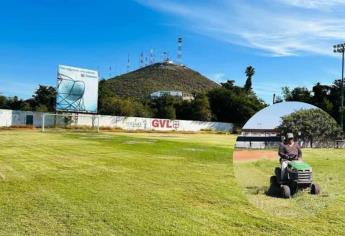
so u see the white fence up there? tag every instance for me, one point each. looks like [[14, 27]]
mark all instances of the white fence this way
[[9, 118]]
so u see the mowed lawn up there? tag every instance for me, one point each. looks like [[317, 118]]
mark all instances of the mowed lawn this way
[[137, 184], [328, 172]]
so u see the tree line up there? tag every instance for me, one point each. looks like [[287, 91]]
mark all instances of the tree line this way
[[43, 100], [314, 127], [326, 97], [227, 103]]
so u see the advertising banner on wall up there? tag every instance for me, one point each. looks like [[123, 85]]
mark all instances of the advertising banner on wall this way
[[77, 90]]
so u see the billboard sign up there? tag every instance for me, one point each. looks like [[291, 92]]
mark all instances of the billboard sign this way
[[77, 90]]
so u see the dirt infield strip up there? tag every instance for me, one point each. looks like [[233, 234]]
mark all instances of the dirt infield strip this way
[[254, 155]]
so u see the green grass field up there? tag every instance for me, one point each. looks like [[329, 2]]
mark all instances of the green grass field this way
[[254, 177], [143, 184]]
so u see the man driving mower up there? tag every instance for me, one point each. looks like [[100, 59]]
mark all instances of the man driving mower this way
[[288, 151], [294, 174]]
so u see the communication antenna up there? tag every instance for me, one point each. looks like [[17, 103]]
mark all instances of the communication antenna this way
[[152, 57], [128, 63], [179, 50], [141, 60], [146, 61], [110, 71], [165, 56]]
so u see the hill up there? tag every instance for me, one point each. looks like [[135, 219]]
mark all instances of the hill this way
[[160, 76]]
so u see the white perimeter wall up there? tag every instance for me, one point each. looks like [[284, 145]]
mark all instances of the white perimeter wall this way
[[10, 118]]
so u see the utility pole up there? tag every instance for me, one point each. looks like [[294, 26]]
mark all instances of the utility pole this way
[[340, 48]]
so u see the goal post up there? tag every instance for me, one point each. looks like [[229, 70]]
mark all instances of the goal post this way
[[70, 121]]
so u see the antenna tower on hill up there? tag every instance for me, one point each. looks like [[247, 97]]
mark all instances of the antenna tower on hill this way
[[141, 60], [128, 63], [146, 61], [165, 56], [152, 57], [179, 50]]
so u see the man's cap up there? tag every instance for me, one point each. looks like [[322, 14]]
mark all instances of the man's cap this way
[[289, 136]]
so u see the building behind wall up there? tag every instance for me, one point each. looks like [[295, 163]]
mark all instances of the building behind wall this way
[[259, 139], [9, 118], [178, 94]]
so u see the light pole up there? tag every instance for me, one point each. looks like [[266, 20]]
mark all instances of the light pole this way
[[340, 48]]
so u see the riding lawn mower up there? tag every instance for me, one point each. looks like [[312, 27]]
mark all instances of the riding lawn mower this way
[[297, 177]]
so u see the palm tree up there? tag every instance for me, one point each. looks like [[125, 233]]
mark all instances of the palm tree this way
[[250, 71]]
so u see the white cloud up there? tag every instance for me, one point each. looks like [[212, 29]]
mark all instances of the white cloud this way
[[272, 28], [322, 4]]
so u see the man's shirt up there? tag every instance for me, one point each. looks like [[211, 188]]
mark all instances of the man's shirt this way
[[289, 152]]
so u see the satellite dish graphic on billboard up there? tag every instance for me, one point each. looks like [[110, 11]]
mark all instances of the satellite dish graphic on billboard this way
[[70, 94], [77, 90]]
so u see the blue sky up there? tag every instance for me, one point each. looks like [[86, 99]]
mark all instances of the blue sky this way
[[289, 42], [270, 117]]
